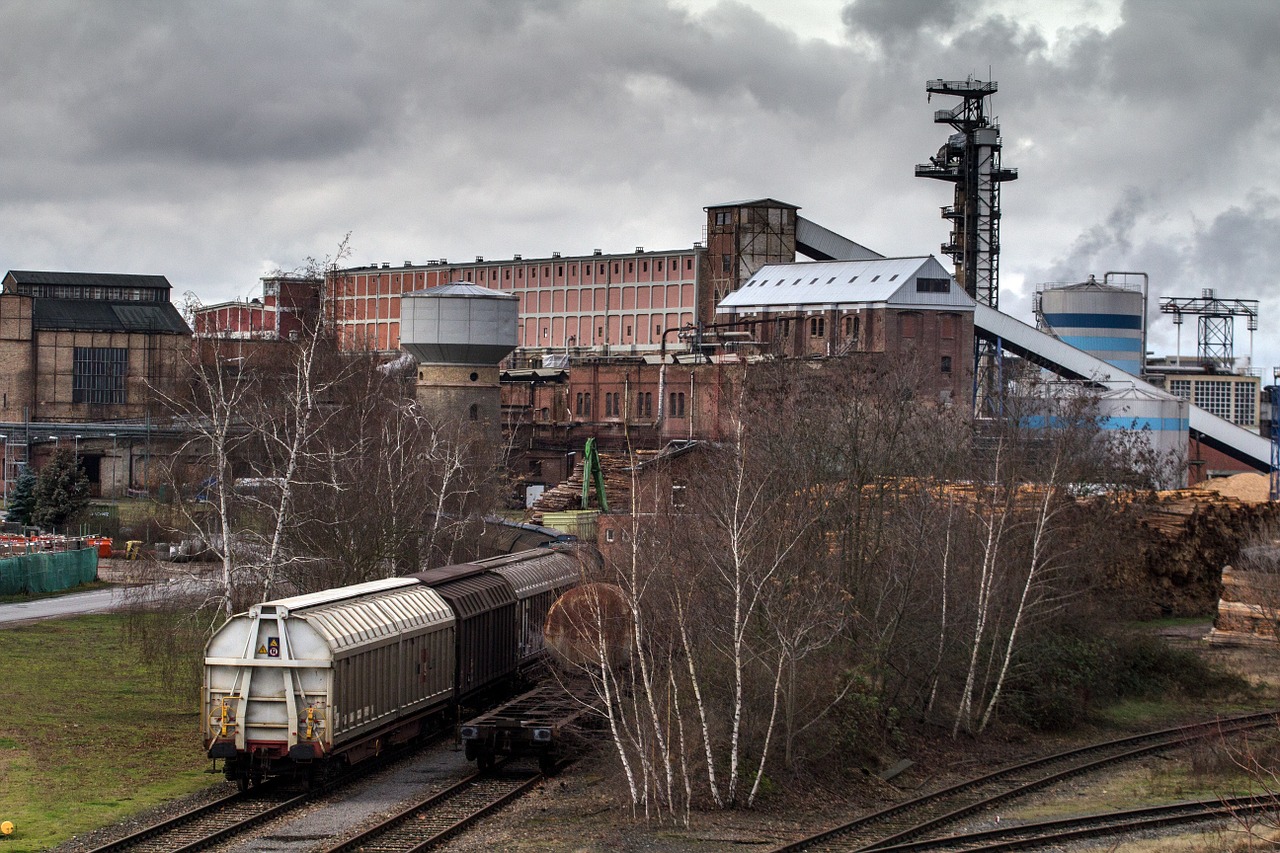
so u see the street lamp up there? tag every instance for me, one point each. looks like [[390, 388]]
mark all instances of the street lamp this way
[[77, 447], [54, 439]]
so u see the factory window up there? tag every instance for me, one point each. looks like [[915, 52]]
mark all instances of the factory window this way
[[784, 327], [573, 270], [508, 271], [560, 270], [631, 266], [875, 278], [676, 404], [947, 325], [1180, 388], [933, 285], [817, 327], [98, 374], [1214, 397], [722, 217], [608, 404], [644, 266], [474, 412], [726, 264], [1245, 404], [616, 268], [688, 263], [909, 324], [678, 489], [659, 267], [608, 535], [601, 270], [520, 273], [946, 364]]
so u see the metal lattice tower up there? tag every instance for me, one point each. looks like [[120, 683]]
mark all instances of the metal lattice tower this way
[[1215, 323], [970, 159]]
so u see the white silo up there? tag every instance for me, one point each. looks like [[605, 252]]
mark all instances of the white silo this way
[[1158, 419], [459, 333], [1104, 320]]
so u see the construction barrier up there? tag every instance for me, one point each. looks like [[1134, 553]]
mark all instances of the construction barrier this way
[[48, 571]]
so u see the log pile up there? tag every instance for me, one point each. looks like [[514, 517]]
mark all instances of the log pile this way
[[1180, 540], [568, 494]]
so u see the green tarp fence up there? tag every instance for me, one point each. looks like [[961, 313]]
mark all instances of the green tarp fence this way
[[47, 571]]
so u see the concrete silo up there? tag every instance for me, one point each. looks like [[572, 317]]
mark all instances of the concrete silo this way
[[459, 333], [1104, 320]]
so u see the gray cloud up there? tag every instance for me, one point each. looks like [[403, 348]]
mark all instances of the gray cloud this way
[[210, 142]]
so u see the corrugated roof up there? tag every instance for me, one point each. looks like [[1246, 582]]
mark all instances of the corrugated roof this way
[[889, 281], [88, 279], [753, 202], [101, 316]]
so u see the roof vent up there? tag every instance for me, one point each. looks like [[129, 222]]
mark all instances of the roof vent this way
[[386, 265], [408, 263], [595, 251], [555, 254], [697, 244], [517, 257], [639, 250], [479, 259], [444, 260]]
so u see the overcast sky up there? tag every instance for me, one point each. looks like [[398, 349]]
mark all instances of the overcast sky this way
[[212, 142]]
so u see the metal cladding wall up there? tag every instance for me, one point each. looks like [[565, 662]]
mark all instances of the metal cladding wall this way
[[1102, 320], [1161, 420], [485, 607], [537, 582], [325, 668], [458, 324]]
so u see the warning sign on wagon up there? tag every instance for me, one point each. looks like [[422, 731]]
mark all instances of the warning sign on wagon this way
[[271, 648]]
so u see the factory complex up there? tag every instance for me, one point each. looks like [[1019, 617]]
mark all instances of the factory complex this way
[[632, 349]]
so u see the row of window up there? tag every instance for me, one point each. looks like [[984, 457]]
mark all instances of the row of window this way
[[116, 294], [1231, 400], [613, 404]]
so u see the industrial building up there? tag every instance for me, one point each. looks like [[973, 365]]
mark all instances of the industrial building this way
[[79, 356]]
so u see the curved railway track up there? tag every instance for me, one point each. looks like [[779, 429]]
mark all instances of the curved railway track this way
[[210, 823], [1054, 833], [427, 822], [929, 813]]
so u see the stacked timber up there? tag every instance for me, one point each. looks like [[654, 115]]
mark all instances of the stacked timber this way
[[1178, 541], [567, 495]]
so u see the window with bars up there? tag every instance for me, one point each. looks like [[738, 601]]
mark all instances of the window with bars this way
[[98, 374], [1246, 404], [1214, 397]]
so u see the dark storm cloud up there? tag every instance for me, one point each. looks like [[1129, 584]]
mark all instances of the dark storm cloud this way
[[890, 21], [210, 140]]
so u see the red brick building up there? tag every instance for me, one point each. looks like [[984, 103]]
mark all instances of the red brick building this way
[[286, 304]]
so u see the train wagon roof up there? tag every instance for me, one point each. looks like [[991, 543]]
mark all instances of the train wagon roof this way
[[473, 593], [328, 596], [544, 571], [349, 623]]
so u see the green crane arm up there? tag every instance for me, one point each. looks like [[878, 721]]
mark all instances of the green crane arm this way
[[591, 471]]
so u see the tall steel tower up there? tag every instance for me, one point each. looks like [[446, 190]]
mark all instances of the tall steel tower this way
[[970, 159]]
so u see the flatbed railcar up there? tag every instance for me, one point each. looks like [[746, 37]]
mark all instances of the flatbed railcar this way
[[532, 724], [306, 684]]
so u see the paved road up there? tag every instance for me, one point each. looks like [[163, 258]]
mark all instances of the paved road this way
[[97, 601], [75, 604]]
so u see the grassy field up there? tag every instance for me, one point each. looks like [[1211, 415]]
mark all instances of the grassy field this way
[[87, 735]]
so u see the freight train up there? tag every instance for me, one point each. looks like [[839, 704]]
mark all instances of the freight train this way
[[306, 685]]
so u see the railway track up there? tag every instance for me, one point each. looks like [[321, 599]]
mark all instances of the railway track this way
[[1054, 833], [211, 823], [930, 813], [428, 822]]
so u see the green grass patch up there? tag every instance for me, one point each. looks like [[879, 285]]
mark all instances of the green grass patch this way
[[87, 734]]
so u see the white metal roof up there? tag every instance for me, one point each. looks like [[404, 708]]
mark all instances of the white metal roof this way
[[836, 284], [329, 596]]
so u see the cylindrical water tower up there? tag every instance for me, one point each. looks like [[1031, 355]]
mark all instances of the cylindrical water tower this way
[[1103, 320], [1160, 420], [459, 333]]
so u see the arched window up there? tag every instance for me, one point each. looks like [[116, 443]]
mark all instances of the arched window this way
[[474, 412]]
